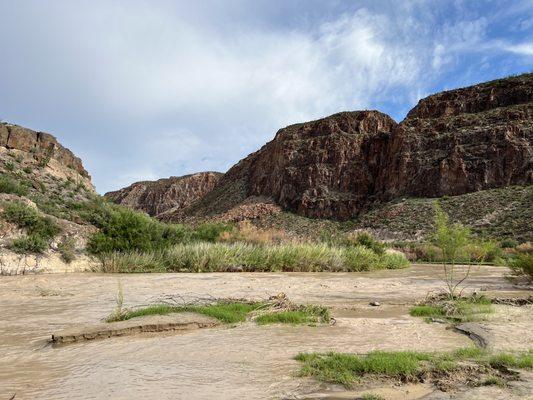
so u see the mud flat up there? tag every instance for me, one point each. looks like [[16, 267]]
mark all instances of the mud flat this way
[[151, 324], [244, 361]]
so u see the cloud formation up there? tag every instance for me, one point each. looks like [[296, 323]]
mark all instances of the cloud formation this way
[[142, 90]]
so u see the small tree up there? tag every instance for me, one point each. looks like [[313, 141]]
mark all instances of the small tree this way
[[451, 238]]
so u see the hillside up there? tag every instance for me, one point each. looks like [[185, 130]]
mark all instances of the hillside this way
[[51, 182], [166, 195]]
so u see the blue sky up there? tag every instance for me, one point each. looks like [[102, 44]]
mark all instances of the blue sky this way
[[149, 89]]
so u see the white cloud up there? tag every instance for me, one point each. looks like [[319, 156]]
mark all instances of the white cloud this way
[[523, 48]]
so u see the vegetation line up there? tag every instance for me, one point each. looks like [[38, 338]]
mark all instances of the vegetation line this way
[[348, 369], [231, 312]]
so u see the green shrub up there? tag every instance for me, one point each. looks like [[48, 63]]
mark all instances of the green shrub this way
[[9, 185], [508, 244], [9, 166], [40, 229], [123, 230], [367, 240], [28, 218], [67, 249], [29, 244], [522, 266], [210, 232]]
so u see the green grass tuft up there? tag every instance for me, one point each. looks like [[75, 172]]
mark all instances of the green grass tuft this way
[[494, 381], [459, 310], [426, 311], [228, 313], [309, 315], [371, 396]]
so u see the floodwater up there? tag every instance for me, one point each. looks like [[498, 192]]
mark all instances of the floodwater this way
[[241, 362]]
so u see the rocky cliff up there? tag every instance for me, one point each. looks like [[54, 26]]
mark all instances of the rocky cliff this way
[[42, 147], [163, 195], [40, 174], [451, 143], [463, 140]]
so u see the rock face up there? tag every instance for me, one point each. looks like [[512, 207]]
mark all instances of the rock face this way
[[326, 168], [163, 195], [451, 143], [462, 141], [42, 145]]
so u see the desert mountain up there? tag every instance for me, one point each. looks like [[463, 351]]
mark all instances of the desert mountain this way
[[452, 143], [168, 194]]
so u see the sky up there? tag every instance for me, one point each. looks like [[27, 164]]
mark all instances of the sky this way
[[150, 89]]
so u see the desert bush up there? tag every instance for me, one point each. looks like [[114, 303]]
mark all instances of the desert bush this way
[[11, 186], [40, 229], [210, 231], [480, 251], [67, 249], [29, 218], [246, 232], [522, 266], [367, 240], [29, 244], [9, 166], [428, 252], [508, 244], [122, 229], [526, 247], [451, 239]]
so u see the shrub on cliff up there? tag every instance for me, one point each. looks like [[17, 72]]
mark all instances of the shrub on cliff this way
[[9, 185], [40, 230]]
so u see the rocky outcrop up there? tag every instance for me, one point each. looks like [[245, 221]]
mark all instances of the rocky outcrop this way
[[165, 195], [325, 168], [462, 141], [41, 145], [451, 143]]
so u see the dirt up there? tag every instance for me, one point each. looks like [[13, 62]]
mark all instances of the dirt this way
[[245, 361], [181, 322]]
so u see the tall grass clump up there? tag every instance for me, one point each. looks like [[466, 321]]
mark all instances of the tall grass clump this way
[[522, 266], [218, 257], [246, 232], [40, 230]]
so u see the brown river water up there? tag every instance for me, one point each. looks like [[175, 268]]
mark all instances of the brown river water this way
[[241, 362]]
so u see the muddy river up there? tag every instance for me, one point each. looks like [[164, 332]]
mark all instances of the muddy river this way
[[241, 362]]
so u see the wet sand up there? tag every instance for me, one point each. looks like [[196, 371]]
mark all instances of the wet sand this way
[[242, 362]]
